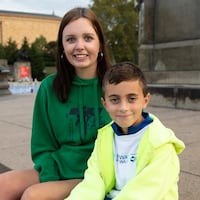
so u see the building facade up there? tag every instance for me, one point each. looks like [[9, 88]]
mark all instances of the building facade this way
[[18, 25]]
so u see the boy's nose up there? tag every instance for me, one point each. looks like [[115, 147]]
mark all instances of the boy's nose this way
[[123, 107]]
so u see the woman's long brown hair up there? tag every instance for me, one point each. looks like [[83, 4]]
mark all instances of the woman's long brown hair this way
[[65, 71]]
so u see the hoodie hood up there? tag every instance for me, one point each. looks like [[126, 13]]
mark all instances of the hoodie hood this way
[[160, 135]]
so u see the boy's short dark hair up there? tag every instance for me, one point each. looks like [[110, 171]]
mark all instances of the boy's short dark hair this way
[[125, 71]]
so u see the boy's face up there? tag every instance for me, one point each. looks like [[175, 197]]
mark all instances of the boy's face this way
[[125, 102]]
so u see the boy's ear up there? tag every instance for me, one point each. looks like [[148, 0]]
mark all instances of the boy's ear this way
[[147, 100], [103, 102]]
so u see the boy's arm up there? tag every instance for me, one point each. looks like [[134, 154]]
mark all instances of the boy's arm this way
[[156, 179], [92, 187]]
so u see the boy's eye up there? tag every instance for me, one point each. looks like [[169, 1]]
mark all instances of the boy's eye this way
[[114, 100], [131, 99]]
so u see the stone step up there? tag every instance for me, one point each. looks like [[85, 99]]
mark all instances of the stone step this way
[[175, 96]]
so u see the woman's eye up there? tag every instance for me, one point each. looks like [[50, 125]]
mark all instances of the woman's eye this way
[[70, 40], [88, 38]]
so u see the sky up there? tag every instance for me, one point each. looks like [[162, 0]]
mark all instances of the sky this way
[[58, 7]]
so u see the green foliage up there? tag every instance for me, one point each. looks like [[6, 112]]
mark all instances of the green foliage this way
[[23, 52], [2, 52], [37, 58], [11, 51], [50, 54], [40, 53], [119, 21], [25, 45]]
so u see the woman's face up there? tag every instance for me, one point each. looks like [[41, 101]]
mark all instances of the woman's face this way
[[81, 47]]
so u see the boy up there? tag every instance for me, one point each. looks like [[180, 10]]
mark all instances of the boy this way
[[135, 156]]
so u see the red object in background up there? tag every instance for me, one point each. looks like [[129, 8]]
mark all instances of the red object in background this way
[[24, 72]]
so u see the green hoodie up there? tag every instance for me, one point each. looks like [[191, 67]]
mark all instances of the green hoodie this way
[[63, 134]]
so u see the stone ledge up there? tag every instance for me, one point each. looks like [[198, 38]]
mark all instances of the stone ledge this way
[[175, 96], [173, 78]]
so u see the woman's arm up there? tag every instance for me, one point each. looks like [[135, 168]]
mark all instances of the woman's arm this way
[[43, 143]]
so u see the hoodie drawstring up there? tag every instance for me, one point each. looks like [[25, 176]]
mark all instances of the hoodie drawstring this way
[[81, 113]]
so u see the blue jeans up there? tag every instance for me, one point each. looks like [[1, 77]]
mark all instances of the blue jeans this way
[[107, 198]]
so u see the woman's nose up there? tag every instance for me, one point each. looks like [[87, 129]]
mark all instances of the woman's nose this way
[[79, 44]]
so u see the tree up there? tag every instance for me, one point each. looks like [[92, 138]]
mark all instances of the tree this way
[[23, 52], [50, 54], [40, 53], [2, 52], [36, 53], [11, 51], [119, 21]]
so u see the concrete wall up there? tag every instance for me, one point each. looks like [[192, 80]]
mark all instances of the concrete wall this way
[[170, 35], [169, 51]]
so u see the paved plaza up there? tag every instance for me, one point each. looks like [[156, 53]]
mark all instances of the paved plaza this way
[[15, 132]]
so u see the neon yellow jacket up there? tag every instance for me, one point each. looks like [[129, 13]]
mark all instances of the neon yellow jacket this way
[[157, 170]]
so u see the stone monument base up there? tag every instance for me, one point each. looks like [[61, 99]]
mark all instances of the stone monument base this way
[[4, 86]]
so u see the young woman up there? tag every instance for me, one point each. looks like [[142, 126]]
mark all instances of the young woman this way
[[67, 113]]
